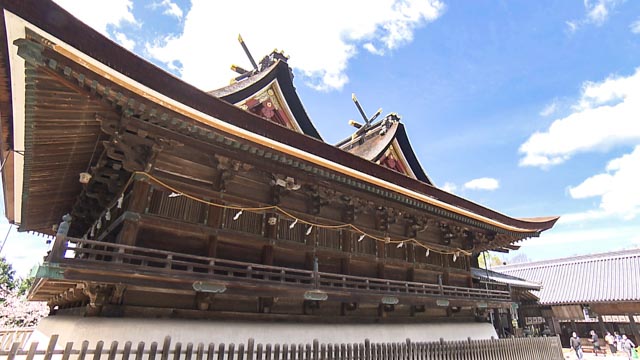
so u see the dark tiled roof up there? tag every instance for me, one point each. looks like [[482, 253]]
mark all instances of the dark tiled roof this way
[[604, 277]]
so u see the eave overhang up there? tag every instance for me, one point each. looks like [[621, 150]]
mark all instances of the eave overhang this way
[[133, 82]]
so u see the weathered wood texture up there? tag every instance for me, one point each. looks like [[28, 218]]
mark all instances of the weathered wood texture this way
[[548, 348]]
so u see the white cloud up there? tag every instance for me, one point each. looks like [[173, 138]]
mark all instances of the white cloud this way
[[449, 187], [484, 183], [635, 27], [572, 26], [549, 109], [372, 49], [606, 115], [558, 237], [123, 40], [99, 14], [320, 49], [617, 187], [170, 8], [597, 13]]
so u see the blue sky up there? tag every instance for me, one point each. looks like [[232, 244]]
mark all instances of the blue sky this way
[[530, 108]]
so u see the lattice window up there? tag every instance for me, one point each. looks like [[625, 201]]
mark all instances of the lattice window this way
[[394, 252], [297, 233], [249, 222], [460, 263], [178, 207], [365, 246], [329, 238]]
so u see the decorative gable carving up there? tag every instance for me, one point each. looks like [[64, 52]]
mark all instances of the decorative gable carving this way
[[270, 104], [395, 160]]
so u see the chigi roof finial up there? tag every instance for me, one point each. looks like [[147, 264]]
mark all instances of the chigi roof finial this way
[[362, 128]]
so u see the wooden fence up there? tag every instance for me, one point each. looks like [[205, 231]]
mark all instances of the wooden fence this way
[[8, 337], [547, 348]]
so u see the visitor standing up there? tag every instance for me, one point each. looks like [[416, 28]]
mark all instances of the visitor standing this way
[[627, 346], [575, 345], [596, 343], [618, 338], [611, 342]]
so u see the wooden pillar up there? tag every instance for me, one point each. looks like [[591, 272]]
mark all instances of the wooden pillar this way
[[411, 252], [129, 233], [557, 329], [411, 274], [574, 327], [381, 250], [308, 261], [510, 320], [271, 226], [381, 272], [212, 246], [345, 266], [139, 199], [497, 322], [345, 236], [445, 277], [214, 221], [634, 328], [267, 255], [446, 264], [603, 329], [139, 196], [214, 217]]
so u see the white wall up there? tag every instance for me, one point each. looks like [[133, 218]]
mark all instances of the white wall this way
[[109, 329]]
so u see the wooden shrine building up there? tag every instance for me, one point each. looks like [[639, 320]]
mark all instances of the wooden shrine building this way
[[227, 204]]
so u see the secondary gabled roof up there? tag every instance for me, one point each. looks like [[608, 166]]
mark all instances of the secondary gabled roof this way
[[386, 143], [604, 277], [273, 86]]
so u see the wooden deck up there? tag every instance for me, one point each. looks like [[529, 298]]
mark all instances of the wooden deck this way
[[74, 260]]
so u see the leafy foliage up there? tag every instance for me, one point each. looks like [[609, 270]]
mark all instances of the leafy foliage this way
[[491, 259], [7, 275]]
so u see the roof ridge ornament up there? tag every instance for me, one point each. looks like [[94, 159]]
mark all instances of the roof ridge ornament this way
[[362, 128], [266, 62]]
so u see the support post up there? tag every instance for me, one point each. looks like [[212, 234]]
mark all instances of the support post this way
[[634, 327]]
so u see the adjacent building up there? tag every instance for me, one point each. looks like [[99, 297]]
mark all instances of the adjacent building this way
[[598, 292]]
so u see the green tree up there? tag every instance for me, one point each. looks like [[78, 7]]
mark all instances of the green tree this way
[[7, 275], [492, 259]]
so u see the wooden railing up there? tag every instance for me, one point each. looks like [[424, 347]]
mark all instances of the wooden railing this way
[[73, 251], [547, 348]]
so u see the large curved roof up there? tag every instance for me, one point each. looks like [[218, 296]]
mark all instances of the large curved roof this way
[[125, 75]]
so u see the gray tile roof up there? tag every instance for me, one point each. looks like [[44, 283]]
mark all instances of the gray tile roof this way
[[484, 274], [604, 277]]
